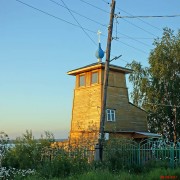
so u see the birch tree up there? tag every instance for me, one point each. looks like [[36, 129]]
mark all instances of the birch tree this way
[[157, 87]]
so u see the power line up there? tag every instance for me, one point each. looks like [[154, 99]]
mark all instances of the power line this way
[[55, 2], [75, 12], [58, 18], [137, 49], [78, 23], [140, 19], [94, 6], [53, 16], [134, 39], [105, 1], [125, 20], [137, 17], [46, 13], [119, 32], [163, 16], [131, 46], [132, 16], [139, 27]]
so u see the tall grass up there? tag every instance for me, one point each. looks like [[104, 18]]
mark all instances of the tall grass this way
[[154, 174]]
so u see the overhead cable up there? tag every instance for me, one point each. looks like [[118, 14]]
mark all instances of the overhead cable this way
[[119, 32], [131, 46], [58, 18], [162, 16], [78, 23], [75, 12], [139, 27], [94, 6], [134, 39], [138, 19]]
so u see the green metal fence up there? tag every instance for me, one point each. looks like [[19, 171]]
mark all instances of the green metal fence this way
[[124, 151], [160, 150], [141, 153]]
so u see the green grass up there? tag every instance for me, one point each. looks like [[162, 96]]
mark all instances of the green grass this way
[[154, 174]]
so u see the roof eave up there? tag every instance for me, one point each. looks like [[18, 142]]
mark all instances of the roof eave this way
[[80, 70], [145, 134], [98, 66]]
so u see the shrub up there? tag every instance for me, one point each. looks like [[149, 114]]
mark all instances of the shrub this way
[[117, 154], [4, 140], [62, 163], [27, 151]]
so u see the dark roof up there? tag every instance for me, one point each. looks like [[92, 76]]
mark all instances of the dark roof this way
[[137, 107], [111, 66]]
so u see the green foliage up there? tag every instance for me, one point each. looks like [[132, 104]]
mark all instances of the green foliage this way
[[47, 161], [117, 153], [62, 163], [157, 87], [4, 140], [154, 174], [27, 151], [71, 162], [139, 79]]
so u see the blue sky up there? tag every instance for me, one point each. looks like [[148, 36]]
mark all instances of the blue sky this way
[[37, 50]]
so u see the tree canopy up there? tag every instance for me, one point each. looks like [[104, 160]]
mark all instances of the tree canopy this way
[[157, 88]]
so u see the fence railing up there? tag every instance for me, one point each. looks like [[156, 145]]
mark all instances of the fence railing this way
[[129, 152], [145, 151]]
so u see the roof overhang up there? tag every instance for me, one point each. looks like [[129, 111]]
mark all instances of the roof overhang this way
[[148, 134], [137, 134], [99, 65]]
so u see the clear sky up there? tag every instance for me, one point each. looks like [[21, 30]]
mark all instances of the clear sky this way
[[36, 51]]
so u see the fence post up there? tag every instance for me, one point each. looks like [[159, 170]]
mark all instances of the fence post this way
[[97, 153], [172, 155], [178, 153], [139, 154]]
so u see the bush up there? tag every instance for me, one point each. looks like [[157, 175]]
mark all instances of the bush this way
[[4, 140], [117, 154], [63, 164], [26, 154], [47, 161]]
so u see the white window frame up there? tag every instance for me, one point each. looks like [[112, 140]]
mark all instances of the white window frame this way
[[111, 115]]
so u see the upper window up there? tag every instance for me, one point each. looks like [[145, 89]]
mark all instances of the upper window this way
[[82, 80], [110, 113], [94, 77]]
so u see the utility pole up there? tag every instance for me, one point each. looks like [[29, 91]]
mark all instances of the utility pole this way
[[105, 82]]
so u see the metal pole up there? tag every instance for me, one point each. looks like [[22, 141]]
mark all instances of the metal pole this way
[[105, 82], [174, 123]]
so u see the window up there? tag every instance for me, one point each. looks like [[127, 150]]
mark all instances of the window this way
[[82, 80], [94, 77], [110, 113]]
